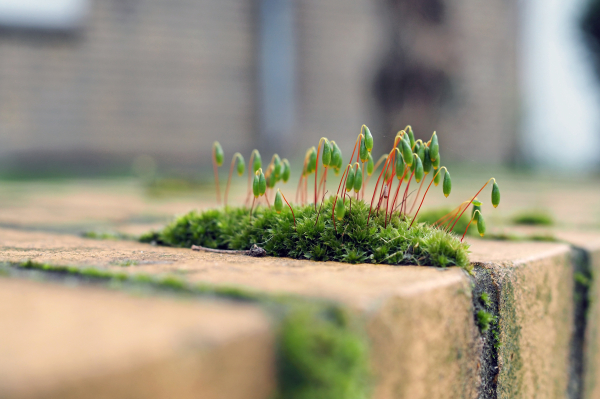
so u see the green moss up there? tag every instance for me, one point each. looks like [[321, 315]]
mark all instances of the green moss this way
[[322, 348], [582, 279], [484, 319], [106, 236], [319, 356], [485, 298], [350, 240], [535, 217]]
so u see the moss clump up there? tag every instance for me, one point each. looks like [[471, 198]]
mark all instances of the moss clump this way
[[320, 357], [534, 217], [351, 240], [485, 298], [484, 319]]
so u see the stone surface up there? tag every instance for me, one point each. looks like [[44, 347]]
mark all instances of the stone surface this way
[[58, 342], [533, 283], [419, 319], [589, 243]]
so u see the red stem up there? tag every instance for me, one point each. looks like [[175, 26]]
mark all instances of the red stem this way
[[467, 229], [250, 172], [229, 179], [424, 195], [472, 199], [377, 185], [337, 195], [406, 191], [288, 204], [215, 168]]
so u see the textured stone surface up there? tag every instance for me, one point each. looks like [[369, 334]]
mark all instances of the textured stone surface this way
[[534, 287], [58, 342], [419, 319], [589, 244]]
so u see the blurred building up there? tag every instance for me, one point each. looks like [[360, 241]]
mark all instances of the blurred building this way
[[90, 82]]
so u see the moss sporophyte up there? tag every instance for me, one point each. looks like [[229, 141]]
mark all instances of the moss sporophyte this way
[[344, 227]]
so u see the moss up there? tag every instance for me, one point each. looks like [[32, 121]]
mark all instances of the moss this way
[[534, 217], [315, 237], [484, 319], [106, 236], [319, 356], [322, 348], [485, 298], [582, 279], [510, 376]]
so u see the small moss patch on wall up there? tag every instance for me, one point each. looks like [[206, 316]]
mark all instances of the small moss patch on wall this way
[[314, 235]]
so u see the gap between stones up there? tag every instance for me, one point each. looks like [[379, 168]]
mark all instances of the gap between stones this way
[[340, 325]]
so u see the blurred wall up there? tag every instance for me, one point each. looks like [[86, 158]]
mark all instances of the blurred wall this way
[[167, 77], [450, 67]]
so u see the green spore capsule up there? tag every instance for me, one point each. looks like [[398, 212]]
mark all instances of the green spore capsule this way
[[327, 152], [285, 175], [371, 164], [271, 180], [218, 153], [407, 153], [241, 166], [278, 203], [368, 137], [312, 161], [480, 224], [358, 178], [276, 167], [350, 180], [340, 209], [495, 195], [262, 183], [399, 165], [420, 151], [427, 161], [363, 153], [336, 156], [436, 163], [447, 186], [437, 177], [434, 147], [476, 210], [257, 162], [256, 185], [419, 170], [411, 135]]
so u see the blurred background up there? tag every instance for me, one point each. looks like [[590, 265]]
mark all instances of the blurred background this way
[[93, 87]]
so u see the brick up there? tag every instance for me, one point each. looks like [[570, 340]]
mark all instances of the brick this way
[[423, 340], [533, 287], [588, 243], [58, 342]]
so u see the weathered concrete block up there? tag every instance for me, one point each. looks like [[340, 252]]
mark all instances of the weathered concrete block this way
[[58, 342], [587, 279], [424, 343], [531, 285]]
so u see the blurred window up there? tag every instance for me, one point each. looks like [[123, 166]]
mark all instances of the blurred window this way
[[63, 15]]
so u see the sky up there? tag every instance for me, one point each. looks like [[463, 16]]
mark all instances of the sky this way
[[561, 126], [46, 14]]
